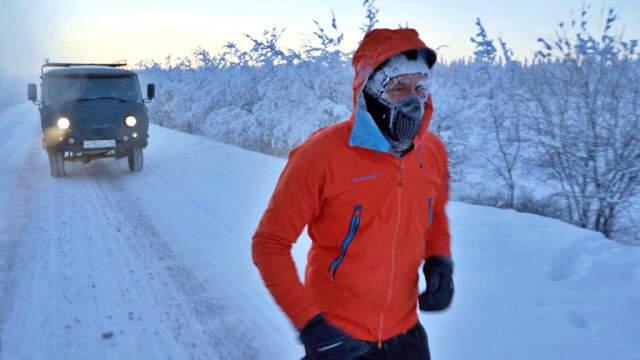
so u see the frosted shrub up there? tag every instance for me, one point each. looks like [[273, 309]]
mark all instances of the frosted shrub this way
[[585, 116]]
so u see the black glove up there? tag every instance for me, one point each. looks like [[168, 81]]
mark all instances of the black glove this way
[[323, 341], [438, 271]]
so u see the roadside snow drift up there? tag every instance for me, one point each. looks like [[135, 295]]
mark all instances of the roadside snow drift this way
[[108, 264]]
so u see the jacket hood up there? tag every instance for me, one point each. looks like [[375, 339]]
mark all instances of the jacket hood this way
[[377, 46]]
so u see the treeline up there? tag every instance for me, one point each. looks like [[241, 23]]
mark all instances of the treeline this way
[[554, 134]]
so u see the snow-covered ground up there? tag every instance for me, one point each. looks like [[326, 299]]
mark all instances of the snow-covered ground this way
[[156, 265]]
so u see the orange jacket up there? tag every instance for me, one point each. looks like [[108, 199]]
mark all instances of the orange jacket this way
[[372, 217]]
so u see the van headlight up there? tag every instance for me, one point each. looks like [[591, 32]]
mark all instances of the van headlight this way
[[131, 121], [63, 123]]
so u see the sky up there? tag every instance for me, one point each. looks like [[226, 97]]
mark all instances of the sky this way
[[90, 30]]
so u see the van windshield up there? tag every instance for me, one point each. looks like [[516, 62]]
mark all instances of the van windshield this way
[[84, 87]]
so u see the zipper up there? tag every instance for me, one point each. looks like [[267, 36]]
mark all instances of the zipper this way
[[353, 229], [420, 155], [430, 203], [393, 254]]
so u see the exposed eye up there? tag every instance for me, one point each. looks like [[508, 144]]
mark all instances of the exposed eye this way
[[397, 90]]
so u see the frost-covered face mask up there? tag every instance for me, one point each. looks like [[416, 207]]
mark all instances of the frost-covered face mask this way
[[406, 118], [399, 109]]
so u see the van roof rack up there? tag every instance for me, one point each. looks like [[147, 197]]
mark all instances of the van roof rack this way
[[48, 64]]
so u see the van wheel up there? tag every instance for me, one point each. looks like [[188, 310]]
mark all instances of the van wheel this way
[[56, 162], [136, 159]]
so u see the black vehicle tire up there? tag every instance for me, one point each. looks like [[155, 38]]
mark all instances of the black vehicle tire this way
[[56, 162], [136, 159]]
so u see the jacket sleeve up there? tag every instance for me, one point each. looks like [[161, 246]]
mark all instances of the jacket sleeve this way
[[294, 202], [438, 237]]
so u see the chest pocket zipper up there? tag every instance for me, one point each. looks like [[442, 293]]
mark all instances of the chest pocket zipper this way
[[353, 229], [430, 204]]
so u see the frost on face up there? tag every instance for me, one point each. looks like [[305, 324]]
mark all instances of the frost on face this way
[[396, 66]]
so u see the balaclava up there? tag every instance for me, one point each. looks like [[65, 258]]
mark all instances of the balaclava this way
[[398, 121]]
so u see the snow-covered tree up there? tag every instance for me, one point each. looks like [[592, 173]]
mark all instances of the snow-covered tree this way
[[585, 111], [496, 103], [557, 136], [371, 17]]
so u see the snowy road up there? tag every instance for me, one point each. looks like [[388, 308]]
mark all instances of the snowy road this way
[[108, 264]]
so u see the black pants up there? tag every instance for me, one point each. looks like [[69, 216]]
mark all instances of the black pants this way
[[412, 345]]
